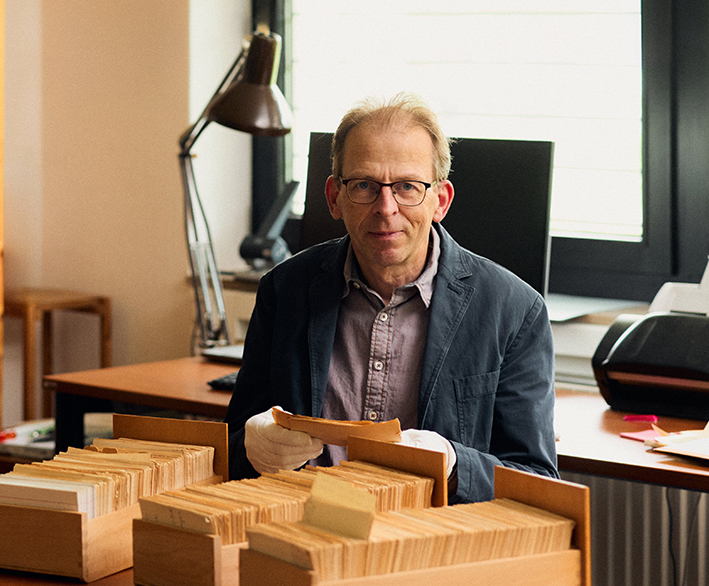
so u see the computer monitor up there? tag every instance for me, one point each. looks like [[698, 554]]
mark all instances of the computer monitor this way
[[500, 209]]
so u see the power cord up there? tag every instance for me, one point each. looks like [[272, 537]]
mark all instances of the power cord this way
[[673, 559], [692, 528], [690, 536]]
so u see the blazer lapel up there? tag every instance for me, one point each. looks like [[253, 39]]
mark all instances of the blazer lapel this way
[[451, 298], [324, 297]]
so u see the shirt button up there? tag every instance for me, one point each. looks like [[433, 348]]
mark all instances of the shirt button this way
[[383, 316], [378, 365], [373, 415], [355, 284]]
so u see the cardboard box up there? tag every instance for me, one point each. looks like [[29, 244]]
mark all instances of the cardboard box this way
[[66, 543]]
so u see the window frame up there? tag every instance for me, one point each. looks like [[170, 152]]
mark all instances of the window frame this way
[[603, 268], [675, 245]]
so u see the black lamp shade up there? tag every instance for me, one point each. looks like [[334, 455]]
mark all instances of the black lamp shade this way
[[254, 103]]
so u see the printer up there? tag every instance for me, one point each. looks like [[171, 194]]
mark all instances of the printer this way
[[658, 363]]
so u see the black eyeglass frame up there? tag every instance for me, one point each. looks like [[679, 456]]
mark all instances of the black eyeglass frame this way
[[390, 185]]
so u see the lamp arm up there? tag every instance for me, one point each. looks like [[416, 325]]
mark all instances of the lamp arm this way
[[206, 280], [249, 83], [190, 135]]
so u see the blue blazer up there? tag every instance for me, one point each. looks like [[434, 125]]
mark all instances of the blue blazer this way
[[487, 377]]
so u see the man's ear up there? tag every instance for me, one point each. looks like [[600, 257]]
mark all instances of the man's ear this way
[[444, 195], [331, 193]]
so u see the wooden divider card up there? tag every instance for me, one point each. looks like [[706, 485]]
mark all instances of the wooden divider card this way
[[406, 458]]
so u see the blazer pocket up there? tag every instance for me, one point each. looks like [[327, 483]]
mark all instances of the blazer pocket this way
[[475, 398]]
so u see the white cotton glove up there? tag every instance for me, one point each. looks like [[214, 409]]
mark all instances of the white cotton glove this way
[[270, 447], [430, 440]]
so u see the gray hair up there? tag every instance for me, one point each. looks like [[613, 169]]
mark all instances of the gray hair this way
[[405, 107]]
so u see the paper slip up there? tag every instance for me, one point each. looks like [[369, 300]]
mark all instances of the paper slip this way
[[678, 437], [694, 448], [693, 442], [337, 432]]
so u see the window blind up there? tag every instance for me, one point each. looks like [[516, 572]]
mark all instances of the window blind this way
[[561, 70]]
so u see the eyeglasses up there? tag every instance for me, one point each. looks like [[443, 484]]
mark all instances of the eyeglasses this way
[[406, 193]]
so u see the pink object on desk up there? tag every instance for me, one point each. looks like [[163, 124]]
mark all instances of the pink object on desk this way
[[650, 418], [640, 436]]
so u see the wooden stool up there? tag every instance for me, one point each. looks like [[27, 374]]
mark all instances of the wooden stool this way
[[31, 304]]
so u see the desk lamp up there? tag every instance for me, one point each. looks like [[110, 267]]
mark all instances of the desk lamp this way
[[248, 100]]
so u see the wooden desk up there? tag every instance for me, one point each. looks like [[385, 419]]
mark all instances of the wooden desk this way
[[11, 578], [588, 429], [179, 385], [590, 443]]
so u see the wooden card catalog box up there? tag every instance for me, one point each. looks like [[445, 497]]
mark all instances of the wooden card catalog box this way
[[68, 543]]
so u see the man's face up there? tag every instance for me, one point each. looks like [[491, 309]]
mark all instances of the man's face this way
[[387, 236]]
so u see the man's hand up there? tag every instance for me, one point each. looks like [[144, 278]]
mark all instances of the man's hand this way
[[430, 440], [270, 447]]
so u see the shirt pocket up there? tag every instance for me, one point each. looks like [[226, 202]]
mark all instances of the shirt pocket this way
[[475, 399]]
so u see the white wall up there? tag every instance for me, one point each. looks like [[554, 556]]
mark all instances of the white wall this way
[[216, 33], [97, 94]]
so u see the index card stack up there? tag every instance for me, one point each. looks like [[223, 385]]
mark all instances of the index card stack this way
[[106, 476], [333, 541], [228, 509]]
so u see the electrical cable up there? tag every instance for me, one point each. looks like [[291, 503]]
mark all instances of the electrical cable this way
[[672, 552], [690, 536]]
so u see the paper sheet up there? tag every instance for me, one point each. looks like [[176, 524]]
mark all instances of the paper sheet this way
[[695, 448]]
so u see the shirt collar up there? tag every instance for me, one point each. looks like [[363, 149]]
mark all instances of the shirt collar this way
[[424, 282]]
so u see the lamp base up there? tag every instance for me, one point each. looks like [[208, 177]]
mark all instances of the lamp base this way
[[263, 253]]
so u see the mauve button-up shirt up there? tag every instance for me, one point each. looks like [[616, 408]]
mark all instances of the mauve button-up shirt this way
[[378, 349]]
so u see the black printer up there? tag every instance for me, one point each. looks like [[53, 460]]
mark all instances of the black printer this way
[[656, 364]]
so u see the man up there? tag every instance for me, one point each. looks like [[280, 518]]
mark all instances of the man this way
[[397, 320]]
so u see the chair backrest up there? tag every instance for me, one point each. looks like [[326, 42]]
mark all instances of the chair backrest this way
[[500, 210]]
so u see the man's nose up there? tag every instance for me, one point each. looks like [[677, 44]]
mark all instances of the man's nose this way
[[386, 202]]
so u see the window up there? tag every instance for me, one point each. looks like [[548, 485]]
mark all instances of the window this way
[[548, 70], [663, 237]]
